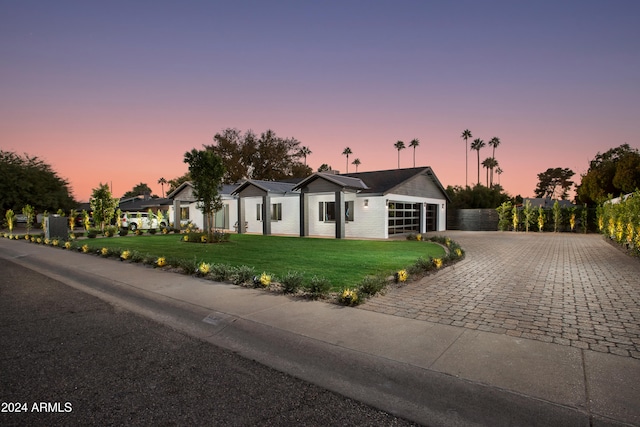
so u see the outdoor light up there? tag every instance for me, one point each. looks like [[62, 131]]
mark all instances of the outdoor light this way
[[366, 203]]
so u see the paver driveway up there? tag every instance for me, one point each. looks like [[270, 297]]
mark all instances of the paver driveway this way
[[569, 289]]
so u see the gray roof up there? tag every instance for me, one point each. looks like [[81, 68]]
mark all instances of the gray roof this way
[[278, 187], [382, 182], [341, 180]]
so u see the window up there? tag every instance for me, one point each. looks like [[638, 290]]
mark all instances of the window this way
[[327, 211], [184, 213], [276, 212]]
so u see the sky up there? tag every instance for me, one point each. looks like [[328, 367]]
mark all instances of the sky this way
[[116, 92]]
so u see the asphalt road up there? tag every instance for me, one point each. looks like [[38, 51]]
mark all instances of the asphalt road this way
[[68, 358]]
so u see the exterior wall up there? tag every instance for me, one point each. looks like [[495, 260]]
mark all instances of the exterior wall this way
[[368, 222], [290, 223]]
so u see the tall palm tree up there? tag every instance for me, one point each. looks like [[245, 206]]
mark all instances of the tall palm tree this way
[[499, 172], [493, 142], [162, 182], [357, 163], [486, 163], [477, 144], [466, 134], [414, 143], [304, 152], [399, 146], [493, 163], [346, 152]]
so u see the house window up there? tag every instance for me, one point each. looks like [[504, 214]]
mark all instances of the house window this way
[[327, 211], [184, 213], [276, 212]]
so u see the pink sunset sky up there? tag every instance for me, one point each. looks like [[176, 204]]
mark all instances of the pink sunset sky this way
[[116, 92]]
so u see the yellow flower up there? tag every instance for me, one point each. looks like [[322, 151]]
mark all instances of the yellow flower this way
[[104, 251], [125, 254], [437, 262], [204, 268], [349, 296], [161, 262], [419, 237], [55, 242], [458, 252], [265, 279], [447, 241], [186, 238], [85, 248], [67, 245], [47, 241], [165, 231], [203, 239], [402, 276], [26, 237]]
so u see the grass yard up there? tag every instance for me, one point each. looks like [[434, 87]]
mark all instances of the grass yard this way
[[342, 262]]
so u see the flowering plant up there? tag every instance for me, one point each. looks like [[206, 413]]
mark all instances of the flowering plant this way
[[125, 255], [67, 245], [186, 238], [458, 252], [402, 276], [161, 262], [349, 296], [265, 279], [419, 237], [203, 239], [104, 251], [204, 268], [437, 262], [85, 248]]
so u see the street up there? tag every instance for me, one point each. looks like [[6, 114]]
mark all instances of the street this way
[[68, 358]]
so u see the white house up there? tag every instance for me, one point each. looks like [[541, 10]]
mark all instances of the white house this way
[[377, 204]]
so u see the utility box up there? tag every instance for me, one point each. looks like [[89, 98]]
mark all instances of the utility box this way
[[55, 226]]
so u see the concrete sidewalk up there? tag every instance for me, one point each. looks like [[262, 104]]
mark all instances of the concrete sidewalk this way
[[431, 373]]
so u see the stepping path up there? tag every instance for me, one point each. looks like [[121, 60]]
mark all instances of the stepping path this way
[[564, 288]]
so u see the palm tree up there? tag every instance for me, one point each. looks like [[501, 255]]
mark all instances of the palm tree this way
[[162, 182], [493, 163], [346, 152], [499, 172], [493, 142], [414, 143], [486, 163], [399, 146], [304, 152], [466, 134], [477, 144], [357, 163]]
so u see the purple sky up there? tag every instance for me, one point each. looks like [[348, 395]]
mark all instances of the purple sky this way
[[116, 92]]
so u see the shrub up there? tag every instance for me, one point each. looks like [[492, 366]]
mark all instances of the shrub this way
[[221, 272], [371, 285], [188, 266], [318, 287], [291, 282], [242, 274], [92, 233], [123, 231], [348, 297], [110, 231]]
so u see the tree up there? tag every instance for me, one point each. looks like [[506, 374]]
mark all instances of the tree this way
[[612, 173], [554, 183], [477, 144], [247, 156], [414, 143], [162, 182], [399, 146], [139, 190], [499, 171], [177, 182], [466, 134], [494, 142], [346, 152], [26, 180], [357, 163], [486, 163], [304, 152], [103, 205], [324, 168], [478, 197], [207, 172]]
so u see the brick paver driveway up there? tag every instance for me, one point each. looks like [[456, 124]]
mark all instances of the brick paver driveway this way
[[569, 289]]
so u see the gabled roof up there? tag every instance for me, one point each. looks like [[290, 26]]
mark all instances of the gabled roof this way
[[278, 187], [225, 189], [383, 182], [344, 181]]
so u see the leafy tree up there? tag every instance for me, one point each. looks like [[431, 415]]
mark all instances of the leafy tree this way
[[477, 144], [207, 172], [139, 190], [466, 134], [26, 180], [478, 197], [399, 146], [267, 157], [103, 205], [30, 215], [346, 152], [414, 143], [324, 168], [177, 182], [614, 172], [554, 183]]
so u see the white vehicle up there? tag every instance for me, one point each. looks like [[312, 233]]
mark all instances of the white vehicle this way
[[142, 220]]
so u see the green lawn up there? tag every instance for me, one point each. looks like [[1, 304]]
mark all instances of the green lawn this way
[[342, 262]]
